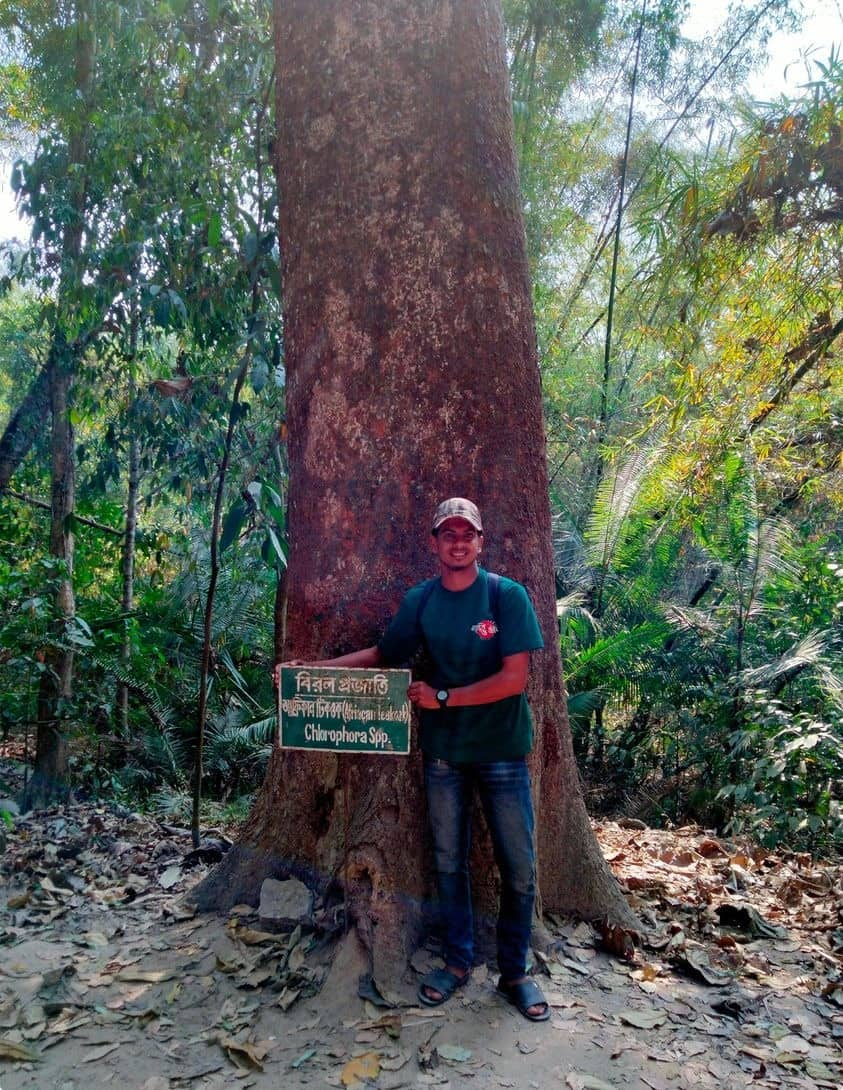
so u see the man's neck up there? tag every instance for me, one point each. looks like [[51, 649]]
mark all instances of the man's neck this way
[[458, 580]]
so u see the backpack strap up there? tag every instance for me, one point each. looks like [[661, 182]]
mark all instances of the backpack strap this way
[[493, 582], [424, 598]]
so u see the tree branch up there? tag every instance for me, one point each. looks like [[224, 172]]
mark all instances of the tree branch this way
[[33, 501]]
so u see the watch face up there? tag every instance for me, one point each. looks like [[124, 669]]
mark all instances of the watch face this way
[[442, 696]]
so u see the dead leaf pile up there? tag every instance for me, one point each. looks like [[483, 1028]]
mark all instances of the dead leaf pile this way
[[108, 856], [688, 884]]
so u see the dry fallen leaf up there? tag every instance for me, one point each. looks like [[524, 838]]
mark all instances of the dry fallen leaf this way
[[395, 1063], [454, 1053], [695, 963], [146, 976], [296, 958], [577, 1080], [643, 1019], [618, 940], [100, 1052], [389, 1023], [10, 1012], [245, 1054], [250, 936], [170, 877], [576, 967], [94, 938], [361, 1068], [709, 847], [792, 1042], [647, 972], [677, 859], [819, 1071], [789, 1057], [288, 997], [14, 1050]]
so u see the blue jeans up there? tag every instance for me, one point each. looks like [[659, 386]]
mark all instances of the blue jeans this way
[[504, 790]]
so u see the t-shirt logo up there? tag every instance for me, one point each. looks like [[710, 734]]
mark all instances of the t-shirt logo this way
[[486, 630]]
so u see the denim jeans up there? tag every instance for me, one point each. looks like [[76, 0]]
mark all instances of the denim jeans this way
[[504, 790]]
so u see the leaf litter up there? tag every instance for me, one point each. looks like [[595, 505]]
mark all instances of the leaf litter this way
[[740, 960]]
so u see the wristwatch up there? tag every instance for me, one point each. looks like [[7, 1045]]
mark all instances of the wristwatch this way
[[442, 696]]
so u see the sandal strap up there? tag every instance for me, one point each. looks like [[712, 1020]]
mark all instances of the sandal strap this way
[[524, 994], [444, 981]]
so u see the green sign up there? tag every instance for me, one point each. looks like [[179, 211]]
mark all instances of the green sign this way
[[344, 711]]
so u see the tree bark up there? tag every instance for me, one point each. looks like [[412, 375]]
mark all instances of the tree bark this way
[[127, 561], [412, 376], [49, 778]]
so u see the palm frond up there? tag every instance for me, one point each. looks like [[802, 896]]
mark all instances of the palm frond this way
[[165, 756], [582, 704], [619, 655], [235, 675], [807, 652], [691, 619], [233, 744], [160, 712], [615, 503], [769, 552], [573, 606]]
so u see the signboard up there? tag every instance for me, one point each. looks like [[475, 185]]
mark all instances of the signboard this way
[[344, 711]]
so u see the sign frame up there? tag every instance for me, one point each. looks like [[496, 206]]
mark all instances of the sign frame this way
[[370, 705]]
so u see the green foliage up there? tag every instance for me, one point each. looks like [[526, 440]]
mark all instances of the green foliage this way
[[696, 478], [153, 270], [680, 624], [790, 789]]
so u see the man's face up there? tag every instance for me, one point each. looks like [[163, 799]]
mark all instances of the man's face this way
[[456, 544]]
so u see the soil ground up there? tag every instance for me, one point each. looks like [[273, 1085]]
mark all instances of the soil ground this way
[[108, 979]]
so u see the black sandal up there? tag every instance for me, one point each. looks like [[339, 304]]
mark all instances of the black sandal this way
[[524, 994], [443, 981]]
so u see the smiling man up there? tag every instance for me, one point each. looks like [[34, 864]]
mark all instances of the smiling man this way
[[475, 731]]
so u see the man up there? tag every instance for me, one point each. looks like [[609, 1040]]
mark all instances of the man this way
[[475, 731]]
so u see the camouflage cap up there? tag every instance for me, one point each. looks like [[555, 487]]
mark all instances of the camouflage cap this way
[[457, 508]]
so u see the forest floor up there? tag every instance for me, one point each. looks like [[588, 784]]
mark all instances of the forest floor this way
[[109, 979]]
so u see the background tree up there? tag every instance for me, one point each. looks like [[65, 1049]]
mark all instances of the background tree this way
[[157, 249]]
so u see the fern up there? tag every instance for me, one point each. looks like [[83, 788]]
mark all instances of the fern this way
[[161, 713]]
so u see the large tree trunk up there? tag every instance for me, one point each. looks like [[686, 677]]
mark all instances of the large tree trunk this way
[[411, 358], [49, 778], [127, 564]]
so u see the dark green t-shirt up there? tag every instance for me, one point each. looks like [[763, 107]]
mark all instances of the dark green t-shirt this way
[[466, 645]]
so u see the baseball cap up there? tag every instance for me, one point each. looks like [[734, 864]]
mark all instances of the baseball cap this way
[[457, 508]]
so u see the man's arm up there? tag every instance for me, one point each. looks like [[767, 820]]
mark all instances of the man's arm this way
[[368, 656], [510, 680], [363, 659]]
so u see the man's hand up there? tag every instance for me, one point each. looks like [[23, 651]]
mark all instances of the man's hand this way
[[276, 673], [422, 695]]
